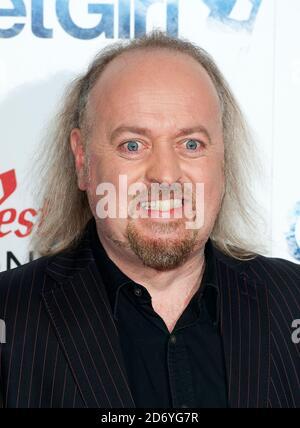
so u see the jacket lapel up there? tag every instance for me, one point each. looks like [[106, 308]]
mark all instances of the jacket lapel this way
[[78, 306], [244, 324]]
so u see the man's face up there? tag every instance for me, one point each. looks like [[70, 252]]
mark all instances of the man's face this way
[[155, 118]]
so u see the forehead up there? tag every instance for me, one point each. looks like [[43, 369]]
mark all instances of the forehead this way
[[156, 83]]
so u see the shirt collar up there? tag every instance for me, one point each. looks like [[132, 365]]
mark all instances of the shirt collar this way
[[114, 279]]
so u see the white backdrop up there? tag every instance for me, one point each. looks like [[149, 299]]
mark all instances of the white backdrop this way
[[45, 43]]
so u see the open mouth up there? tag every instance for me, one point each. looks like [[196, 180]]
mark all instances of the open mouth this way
[[162, 205]]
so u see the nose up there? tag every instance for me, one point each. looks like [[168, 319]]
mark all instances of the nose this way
[[164, 166]]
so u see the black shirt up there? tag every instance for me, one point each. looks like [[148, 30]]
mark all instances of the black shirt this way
[[184, 368]]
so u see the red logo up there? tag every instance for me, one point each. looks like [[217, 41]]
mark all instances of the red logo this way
[[19, 223], [8, 184]]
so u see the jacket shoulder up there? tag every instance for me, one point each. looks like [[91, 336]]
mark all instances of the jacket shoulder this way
[[275, 273], [275, 270], [23, 276], [32, 278], [281, 278], [276, 280], [261, 267]]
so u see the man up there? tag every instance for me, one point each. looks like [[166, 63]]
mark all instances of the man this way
[[148, 309]]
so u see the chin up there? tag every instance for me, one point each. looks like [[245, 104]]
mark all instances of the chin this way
[[162, 249]]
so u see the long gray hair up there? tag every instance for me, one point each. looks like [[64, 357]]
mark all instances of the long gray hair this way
[[65, 209]]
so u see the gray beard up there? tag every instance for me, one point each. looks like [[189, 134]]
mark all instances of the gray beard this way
[[161, 253]]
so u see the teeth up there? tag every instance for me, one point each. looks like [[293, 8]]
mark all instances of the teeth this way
[[165, 205]]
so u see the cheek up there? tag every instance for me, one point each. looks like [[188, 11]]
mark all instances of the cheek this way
[[96, 175], [101, 172], [208, 171], [214, 193], [212, 175]]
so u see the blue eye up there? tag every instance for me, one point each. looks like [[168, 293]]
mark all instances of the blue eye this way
[[132, 146], [192, 144]]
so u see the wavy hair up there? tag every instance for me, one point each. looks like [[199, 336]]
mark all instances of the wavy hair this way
[[65, 209]]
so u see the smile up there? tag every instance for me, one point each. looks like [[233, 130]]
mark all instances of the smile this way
[[165, 205]]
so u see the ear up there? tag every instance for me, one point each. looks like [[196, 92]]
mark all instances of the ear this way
[[76, 142]]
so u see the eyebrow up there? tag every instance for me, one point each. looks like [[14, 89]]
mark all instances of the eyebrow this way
[[147, 132]]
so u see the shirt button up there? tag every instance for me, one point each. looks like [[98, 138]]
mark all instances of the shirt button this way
[[137, 291], [173, 339]]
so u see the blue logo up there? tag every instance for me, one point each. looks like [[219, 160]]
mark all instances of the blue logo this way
[[220, 10], [293, 235]]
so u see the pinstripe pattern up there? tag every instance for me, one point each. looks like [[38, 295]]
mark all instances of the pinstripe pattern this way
[[63, 350]]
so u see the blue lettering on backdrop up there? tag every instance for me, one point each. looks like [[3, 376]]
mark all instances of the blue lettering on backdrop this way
[[124, 19], [106, 24], [37, 17], [219, 10], [141, 7], [18, 10]]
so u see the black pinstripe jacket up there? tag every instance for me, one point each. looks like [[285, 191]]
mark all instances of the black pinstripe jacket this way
[[62, 346]]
